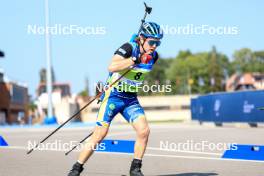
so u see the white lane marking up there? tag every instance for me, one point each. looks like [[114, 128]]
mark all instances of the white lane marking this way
[[26, 148], [148, 148], [184, 151], [14, 147], [89, 127], [198, 157], [148, 154]]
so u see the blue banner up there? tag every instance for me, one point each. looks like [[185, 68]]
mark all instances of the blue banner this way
[[244, 106], [120, 146]]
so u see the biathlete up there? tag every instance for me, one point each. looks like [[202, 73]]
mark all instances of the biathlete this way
[[138, 55]]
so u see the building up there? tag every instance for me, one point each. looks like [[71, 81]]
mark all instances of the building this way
[[63, 88], [14, 101], [64, 104]]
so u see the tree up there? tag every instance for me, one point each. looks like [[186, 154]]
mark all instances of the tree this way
[[259, 55], [157, 75], [86, 82], [217, 64], [246, 60], [194, 73], [83, 93], [203, 72]]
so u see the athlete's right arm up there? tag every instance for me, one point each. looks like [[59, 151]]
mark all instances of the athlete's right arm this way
[[122, 58], [119, 63]]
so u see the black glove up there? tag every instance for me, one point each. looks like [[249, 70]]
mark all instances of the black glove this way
[[136, 60]]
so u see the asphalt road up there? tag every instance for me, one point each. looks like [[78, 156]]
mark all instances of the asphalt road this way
[[170, 152]]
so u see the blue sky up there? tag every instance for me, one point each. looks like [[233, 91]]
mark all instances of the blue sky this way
[[75, 57]]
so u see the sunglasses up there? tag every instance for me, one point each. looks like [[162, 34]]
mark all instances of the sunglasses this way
[[154, 42]]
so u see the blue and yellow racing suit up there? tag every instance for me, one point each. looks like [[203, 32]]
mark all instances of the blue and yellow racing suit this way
[[122, 97]]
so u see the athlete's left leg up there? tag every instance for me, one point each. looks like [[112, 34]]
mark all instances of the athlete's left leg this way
[[141, 127], [135, 115]]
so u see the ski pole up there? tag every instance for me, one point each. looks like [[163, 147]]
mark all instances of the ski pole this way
[[78, 144], [147, 11], [73, 116]]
